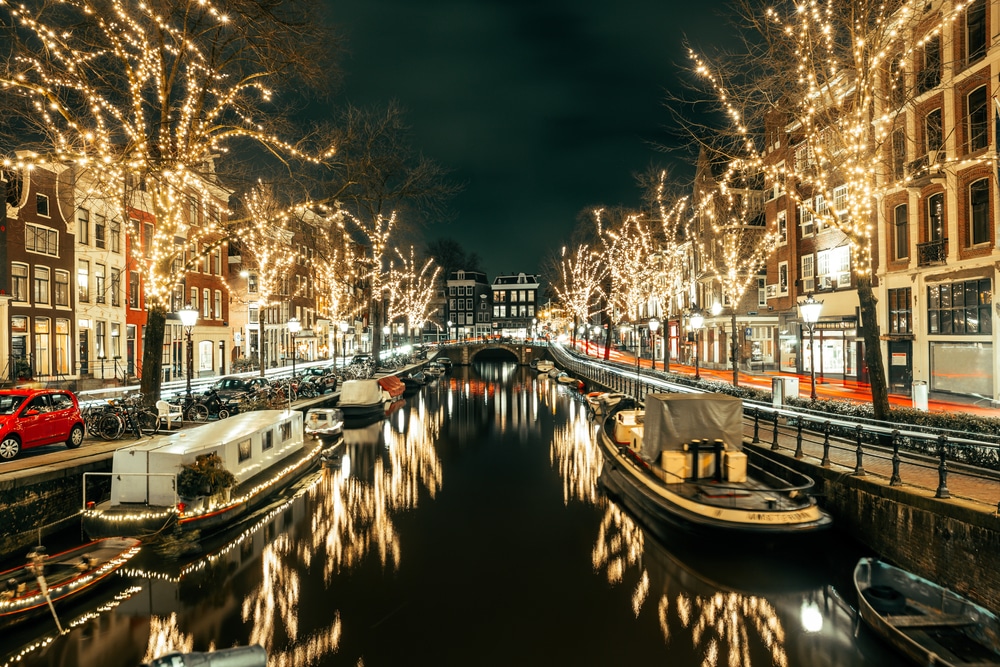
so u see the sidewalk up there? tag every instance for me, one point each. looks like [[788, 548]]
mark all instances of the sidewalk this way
[[826, 388]]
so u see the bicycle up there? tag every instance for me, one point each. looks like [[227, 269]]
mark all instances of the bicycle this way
[[128, 415]]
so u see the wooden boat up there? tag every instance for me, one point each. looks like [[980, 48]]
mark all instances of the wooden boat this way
[[69, 574], [434, 370], [928, 623], [600, 402], [413, 382], [569, 381], [362, 399], [680, 462], [324, 422], [392, 386], [544, 366], [264, 450]]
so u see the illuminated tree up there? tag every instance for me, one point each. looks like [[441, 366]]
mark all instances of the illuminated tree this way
[[145, 97], [670, 262], [736, 245], [412, 289], [581, 275], [831, 78]]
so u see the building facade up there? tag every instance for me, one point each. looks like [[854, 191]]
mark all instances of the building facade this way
[[468, 305], [515, 304]]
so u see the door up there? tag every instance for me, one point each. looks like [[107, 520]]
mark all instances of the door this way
[[900, 366], [35, 422]]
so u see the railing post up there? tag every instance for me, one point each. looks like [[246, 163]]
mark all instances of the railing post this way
[[798, 439], [895, 480], [942, 490], [826, 444], [774, 442], [756, 424], [859, 468]]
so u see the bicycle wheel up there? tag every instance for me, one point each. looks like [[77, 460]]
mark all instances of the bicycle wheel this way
[[198, 412], [110, 427], [149, 422]]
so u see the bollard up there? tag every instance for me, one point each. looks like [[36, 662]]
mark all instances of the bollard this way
[[942, 490], [798, 439], [774, 443], [859, 469], [895, 480], [718, 461], [695, 455], [756, 425], [826, 444]]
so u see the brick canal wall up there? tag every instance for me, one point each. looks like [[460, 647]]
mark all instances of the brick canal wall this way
[[951, 542], [39, 501]]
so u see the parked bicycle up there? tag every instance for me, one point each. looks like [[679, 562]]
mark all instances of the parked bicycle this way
[[127, 416], [210, 403]]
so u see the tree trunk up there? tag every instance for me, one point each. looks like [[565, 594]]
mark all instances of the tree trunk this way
[[734, 348], [375, 324], [152, 355], [572, 335], [666, 343], [607, 343], [873, 347]]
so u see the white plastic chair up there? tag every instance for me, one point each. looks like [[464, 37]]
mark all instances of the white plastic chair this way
[[169, 413]]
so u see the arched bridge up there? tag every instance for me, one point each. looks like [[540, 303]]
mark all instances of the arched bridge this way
[[465, 352]]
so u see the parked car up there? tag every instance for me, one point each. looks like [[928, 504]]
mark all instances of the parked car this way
[[229, 386], [36, 417]]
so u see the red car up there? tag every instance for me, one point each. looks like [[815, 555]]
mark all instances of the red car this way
[[35, 417]]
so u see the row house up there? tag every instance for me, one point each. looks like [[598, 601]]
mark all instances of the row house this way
[[468, 304], [515, 303], [937, 228]]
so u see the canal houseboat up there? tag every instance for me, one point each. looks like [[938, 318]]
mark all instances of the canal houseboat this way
[[680, 462], [362, 400], [324, 422], [928, 623], [258, 452], [35, 588]]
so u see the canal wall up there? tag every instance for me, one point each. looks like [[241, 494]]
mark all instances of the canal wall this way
[[949, 541], [36, 502]]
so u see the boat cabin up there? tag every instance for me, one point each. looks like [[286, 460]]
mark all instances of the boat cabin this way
[[247, 443]]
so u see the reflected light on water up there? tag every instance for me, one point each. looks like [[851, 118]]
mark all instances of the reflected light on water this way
[[575, 455], [166, 637]]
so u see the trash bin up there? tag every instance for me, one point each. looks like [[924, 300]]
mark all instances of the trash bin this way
[[783, 388], [920, 395]]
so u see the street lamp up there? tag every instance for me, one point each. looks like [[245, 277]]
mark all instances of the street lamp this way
[[294, 327], [343, 343], [810, 310], [449, 330], [654, 324], [697, 322], [189, 316]]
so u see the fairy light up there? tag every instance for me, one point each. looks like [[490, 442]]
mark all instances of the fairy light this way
[[579, 287], [410, 289]]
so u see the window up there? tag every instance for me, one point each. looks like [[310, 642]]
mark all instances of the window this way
[[19, 282], [960, 308], [83, 227], [808, 273], [286, 431], [833, 268], [897, 82], [218, 305], [930, 74], [840, 202], [900, 313], [206, 303], [116, 236], [100, 339], [933, 135], [901, 234], [806, 220], [252, 283], [116, 334], [133, 289], [267, 442], [193, 301], [41, 285], [116, 287], [147, 239], [253, 314], [975, 30], [244, 449], [935, 217], [978, 119], [83, 281], [822, 213], [62, 288], [100, 227], [206, 350], [804, 157], [42, 205], [898, 154], [42, 345], [783, 278], [100, 295], [452, 290], [782, 224], [62, 361], [42, 240], [762, 291], [979, 211]]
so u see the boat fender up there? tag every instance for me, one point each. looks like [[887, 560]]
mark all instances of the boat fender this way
[[885, 599]]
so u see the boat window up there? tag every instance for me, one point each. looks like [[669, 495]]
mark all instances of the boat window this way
[[244, 448], [286, 431], [268, 440], [10, 403]]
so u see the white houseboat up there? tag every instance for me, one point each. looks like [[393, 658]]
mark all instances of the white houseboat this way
[[264, 451]]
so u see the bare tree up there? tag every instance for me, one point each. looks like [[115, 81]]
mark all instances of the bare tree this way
[[581, 274]]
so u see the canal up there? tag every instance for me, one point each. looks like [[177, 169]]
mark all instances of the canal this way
[[468, 528]]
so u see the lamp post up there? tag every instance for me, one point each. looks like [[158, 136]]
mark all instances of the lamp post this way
[[343, 343], [294, 327], [654, 324], [810, 310], [188, 318], [697, 321]]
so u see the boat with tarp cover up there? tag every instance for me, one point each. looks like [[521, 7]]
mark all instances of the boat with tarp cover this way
[[681, 462]]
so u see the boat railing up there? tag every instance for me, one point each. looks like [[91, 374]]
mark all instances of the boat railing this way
[[91, 504], [944, 461]]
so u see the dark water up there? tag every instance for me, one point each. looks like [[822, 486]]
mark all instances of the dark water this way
[[468, 529]]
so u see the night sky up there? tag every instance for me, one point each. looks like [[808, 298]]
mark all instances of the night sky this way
[[541, 108]]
